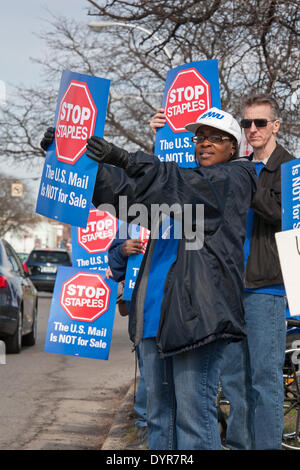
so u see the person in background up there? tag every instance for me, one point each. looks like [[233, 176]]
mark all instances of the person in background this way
[[251, 373]]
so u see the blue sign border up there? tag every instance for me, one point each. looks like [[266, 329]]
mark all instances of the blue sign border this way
[[75, 337], [66, 190]]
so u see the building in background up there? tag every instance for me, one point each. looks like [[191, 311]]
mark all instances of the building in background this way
[[46, 234]]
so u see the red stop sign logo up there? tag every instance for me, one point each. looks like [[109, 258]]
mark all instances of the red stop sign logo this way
[[99, 232], [75, 122], [85, 297], [188, 97], [144, 237]]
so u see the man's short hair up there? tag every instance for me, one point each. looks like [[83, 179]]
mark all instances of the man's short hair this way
[[256, 99]]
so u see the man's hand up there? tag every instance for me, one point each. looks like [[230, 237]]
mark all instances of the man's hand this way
[[101, 151], [158, 120], [132, 247], [48, 138]]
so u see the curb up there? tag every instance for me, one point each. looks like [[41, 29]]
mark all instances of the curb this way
[[117, 438]]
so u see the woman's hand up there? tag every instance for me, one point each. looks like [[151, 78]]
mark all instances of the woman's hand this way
[[158, 120], [101, 151], [47, 138]]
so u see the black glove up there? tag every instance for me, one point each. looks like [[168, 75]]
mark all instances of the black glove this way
[[104, 152], [48, 138]]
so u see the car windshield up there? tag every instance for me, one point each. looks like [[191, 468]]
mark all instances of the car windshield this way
[[55, 257]]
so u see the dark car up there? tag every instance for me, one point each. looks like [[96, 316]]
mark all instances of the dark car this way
[[22, 255], [18, 302], [43, 264]]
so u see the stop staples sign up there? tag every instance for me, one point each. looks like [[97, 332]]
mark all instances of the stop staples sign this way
[[144, 237], [188, 97], [85, 297], [99, 232], [75, 122]]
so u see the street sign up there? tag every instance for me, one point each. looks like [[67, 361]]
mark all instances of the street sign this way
[[16, 189]]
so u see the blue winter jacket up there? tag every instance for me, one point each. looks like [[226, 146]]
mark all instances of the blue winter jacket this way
[[203, 291]]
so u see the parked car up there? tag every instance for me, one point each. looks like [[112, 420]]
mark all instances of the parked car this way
[[43, 264], [18, 302], [22, 256]]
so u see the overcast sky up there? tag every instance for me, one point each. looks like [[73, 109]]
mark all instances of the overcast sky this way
[[20, 20]]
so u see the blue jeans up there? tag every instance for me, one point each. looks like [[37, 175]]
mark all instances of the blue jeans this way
[[140, 403], [251, 376], [181, 397]]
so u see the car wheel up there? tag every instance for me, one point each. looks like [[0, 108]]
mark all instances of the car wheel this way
[[14, 342], [30, 339]]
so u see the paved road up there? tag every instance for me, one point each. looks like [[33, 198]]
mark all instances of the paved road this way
[[50, 401]]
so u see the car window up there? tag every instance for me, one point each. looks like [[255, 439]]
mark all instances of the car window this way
[[55, 257], [12, 258]]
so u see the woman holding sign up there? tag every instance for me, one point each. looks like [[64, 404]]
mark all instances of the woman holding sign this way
[[200, 289], [188, 298]]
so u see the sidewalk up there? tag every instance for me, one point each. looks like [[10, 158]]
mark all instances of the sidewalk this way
[[123, 431]]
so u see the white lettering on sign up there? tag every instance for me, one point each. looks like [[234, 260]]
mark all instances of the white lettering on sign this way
[[103, 235], [296, 197], [187, 107], [74, 112], [189, 93], [87, 291], [78, 201], [84, 296], [98, 225], [72, 132], [98, 230]]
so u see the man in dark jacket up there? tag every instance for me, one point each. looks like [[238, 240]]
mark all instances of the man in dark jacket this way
[[187, 306], [252, 370]]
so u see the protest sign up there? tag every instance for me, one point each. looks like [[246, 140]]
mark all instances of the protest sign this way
[[81, 314], [134, 261], [290, 194], [290, 205], [68, 178], [190, 90], [288, 244], [90, 245]]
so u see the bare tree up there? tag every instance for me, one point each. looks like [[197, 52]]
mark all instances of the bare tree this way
[[137, 82], [17, 213], [256, 44]]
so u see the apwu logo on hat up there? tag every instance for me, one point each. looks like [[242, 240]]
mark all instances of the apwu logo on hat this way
[[211, 114], [218, 119]]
